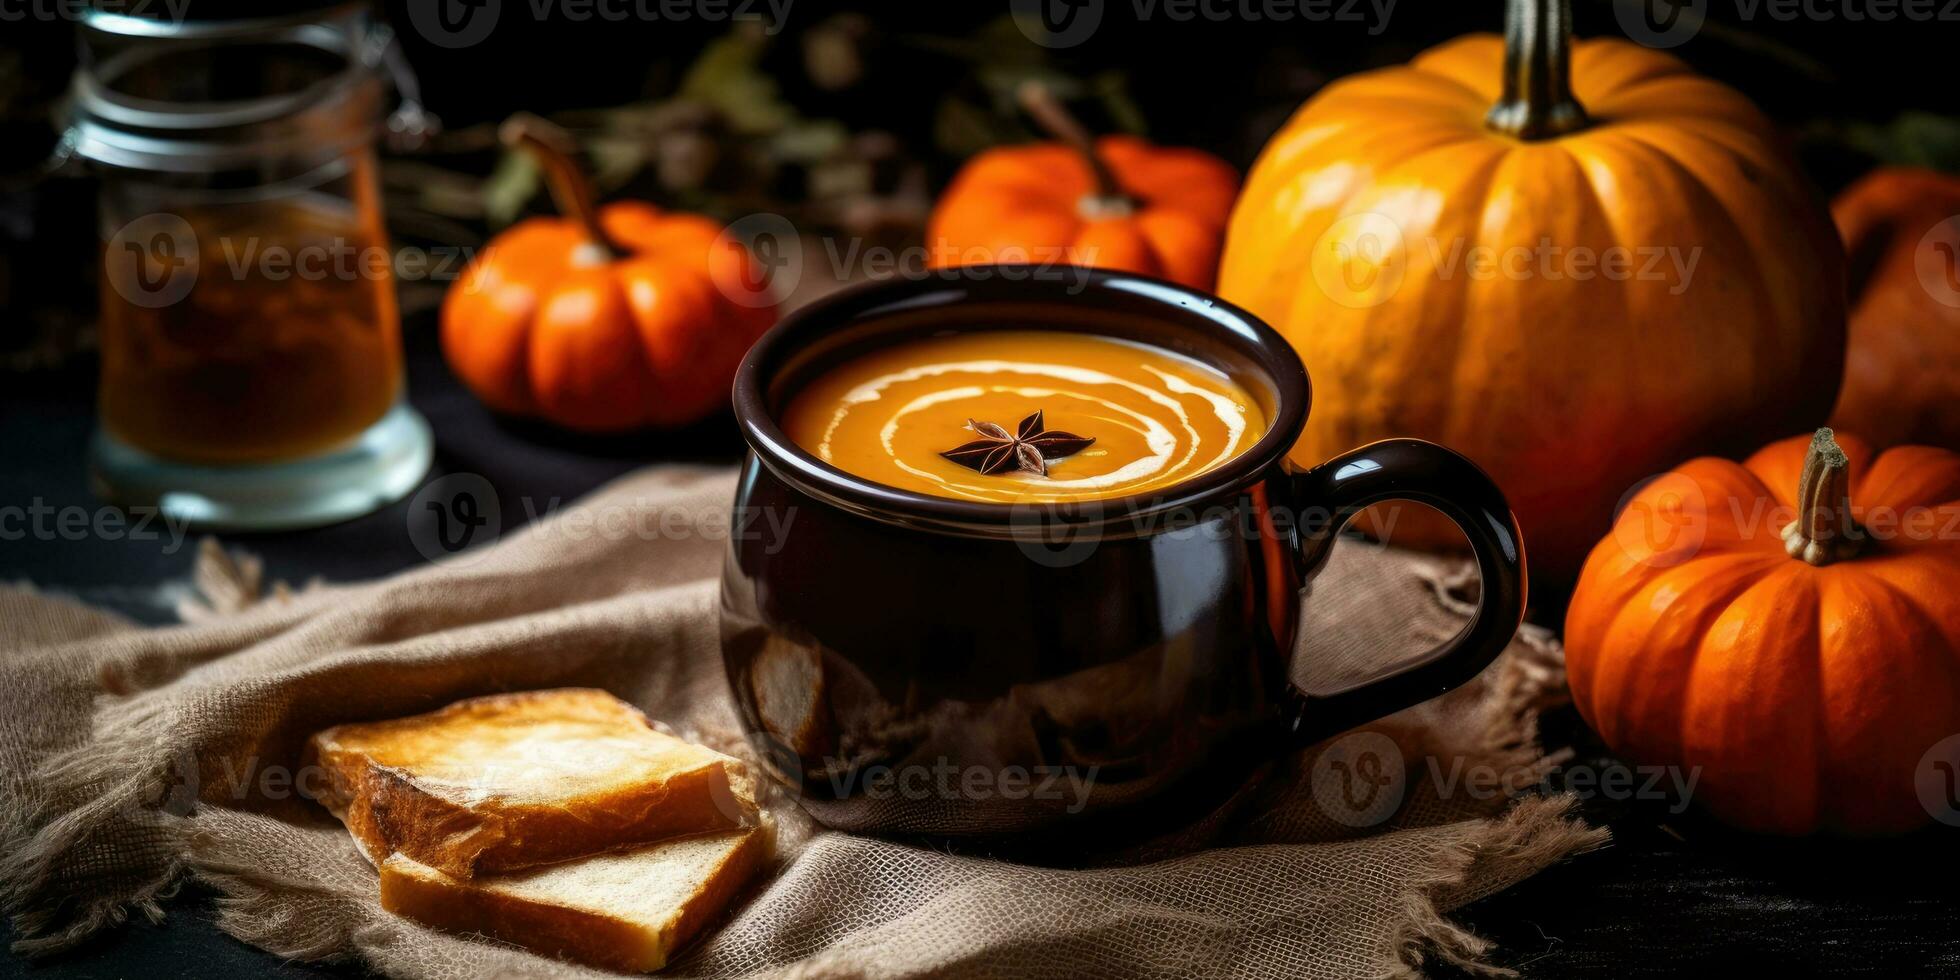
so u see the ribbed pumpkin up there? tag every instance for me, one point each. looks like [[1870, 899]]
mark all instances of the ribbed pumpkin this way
[[1438, 241], [1112, 203], [609, 318], [1902, 371], [1786, 628]]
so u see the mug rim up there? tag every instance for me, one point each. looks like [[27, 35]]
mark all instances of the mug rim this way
[[1178, 305]]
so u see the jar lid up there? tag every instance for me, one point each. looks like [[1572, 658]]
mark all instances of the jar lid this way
[[215, 93], [208, 18]]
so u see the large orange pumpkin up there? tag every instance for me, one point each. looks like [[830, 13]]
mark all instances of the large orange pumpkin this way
[[1785, 629], [1113, 203], [1901, 230], [1576, 264], [610, 318]]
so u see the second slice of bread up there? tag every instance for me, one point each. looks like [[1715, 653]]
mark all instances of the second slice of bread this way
[[516, 780], [628, 910]]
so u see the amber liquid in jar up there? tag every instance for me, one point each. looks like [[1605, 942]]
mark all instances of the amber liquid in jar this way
[[287, 345]]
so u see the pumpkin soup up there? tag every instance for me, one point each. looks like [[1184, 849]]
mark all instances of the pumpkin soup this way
[[1024, 416]]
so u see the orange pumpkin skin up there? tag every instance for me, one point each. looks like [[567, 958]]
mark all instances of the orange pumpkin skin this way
[[1034, 204], [1354, 238], [1902, 370], [1806, 695], [542, 324]]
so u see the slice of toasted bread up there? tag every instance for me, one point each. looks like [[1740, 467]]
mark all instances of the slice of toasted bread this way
[[517, 780], [628, 910]]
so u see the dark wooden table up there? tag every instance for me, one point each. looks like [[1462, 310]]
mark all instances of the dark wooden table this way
[[1673, 895]]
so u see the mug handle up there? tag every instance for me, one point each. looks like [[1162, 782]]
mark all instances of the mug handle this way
[[1411, 469]]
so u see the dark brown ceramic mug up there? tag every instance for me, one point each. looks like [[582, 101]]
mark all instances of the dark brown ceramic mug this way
[[1058, 673]]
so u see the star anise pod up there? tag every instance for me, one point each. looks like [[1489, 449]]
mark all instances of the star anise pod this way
[[1029, 448]]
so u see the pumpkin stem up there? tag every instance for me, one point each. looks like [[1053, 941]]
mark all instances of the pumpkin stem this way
[[553, 148], [1823, 531], [1108, 201], [1537, 101]]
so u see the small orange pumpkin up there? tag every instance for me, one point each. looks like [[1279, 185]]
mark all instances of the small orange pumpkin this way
[[1901, 229], [608, 319], [1787, 626], [1113, 203]]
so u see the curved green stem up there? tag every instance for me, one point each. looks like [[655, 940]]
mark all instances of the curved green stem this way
[[1537, 101]]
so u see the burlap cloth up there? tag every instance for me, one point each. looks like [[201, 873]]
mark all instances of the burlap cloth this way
[[132, 758]]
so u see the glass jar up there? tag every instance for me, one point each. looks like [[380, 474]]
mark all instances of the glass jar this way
[[251, 348]]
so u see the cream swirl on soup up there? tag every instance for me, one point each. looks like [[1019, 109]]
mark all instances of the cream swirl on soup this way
[[1157, 418]]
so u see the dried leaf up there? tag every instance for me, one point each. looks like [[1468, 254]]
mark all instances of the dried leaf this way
[[810, 141], [832, 51], [615, 160], [960, 128], [1918, 139], [1113, 89], [727, 76], [509, 188]]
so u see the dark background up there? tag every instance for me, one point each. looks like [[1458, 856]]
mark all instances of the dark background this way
[[851, 118], [1222, 85], [914, 87]]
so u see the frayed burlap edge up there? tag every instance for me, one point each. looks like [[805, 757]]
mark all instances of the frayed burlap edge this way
[[98, 775], [1535, 833], [72, 789], [240, 891]]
